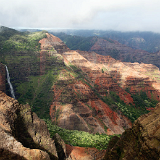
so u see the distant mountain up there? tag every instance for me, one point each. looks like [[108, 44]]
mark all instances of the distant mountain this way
[[148, 41], [75, 42], [6, 32], [124, 53], [29, 30], [108, 46]]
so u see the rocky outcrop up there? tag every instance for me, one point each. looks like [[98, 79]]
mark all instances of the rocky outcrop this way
[[22, 134], [83, 153], [142, 141], [2, 78], [50, 47], [53, 43], [60, 146]]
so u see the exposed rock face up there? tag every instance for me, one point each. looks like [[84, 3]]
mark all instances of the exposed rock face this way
[[82, 153], [136, 76], [53, 43], [50, 46], [149, 80], [22, 134], [141, 142], [2, 78], [60, 146], [76, 105]]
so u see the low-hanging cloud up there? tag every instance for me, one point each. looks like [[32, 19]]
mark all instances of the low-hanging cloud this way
[[87, 14]]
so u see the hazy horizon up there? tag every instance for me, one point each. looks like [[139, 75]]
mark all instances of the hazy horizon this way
[[78, 29]]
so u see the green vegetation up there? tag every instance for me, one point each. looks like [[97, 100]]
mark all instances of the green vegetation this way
[[148, 41], [23, 42], [79, 74], [14, 45], [80, 138], [37, 92], [77, 42], [142, 101], [132, 112], [6, 33], [20, 52]]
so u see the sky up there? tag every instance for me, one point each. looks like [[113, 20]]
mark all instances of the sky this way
[[119, 15]]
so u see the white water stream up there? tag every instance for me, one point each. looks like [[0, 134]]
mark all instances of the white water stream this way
[[10, 84]]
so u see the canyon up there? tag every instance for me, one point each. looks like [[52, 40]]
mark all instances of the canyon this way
[[77, 86], [76, 104], [77, 90]]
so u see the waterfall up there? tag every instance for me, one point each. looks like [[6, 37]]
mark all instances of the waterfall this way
[[10, 84]]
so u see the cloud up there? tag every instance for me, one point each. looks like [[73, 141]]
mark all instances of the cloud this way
[[90, 14]]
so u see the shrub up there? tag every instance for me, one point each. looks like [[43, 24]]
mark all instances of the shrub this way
[[80, 138]]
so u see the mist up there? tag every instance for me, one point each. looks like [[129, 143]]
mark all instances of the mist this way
[[124, 15]]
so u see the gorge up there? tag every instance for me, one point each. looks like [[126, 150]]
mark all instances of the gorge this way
[[74, 90]]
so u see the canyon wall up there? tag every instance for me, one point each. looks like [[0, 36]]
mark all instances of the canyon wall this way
[[84, 81], [142, 141]]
